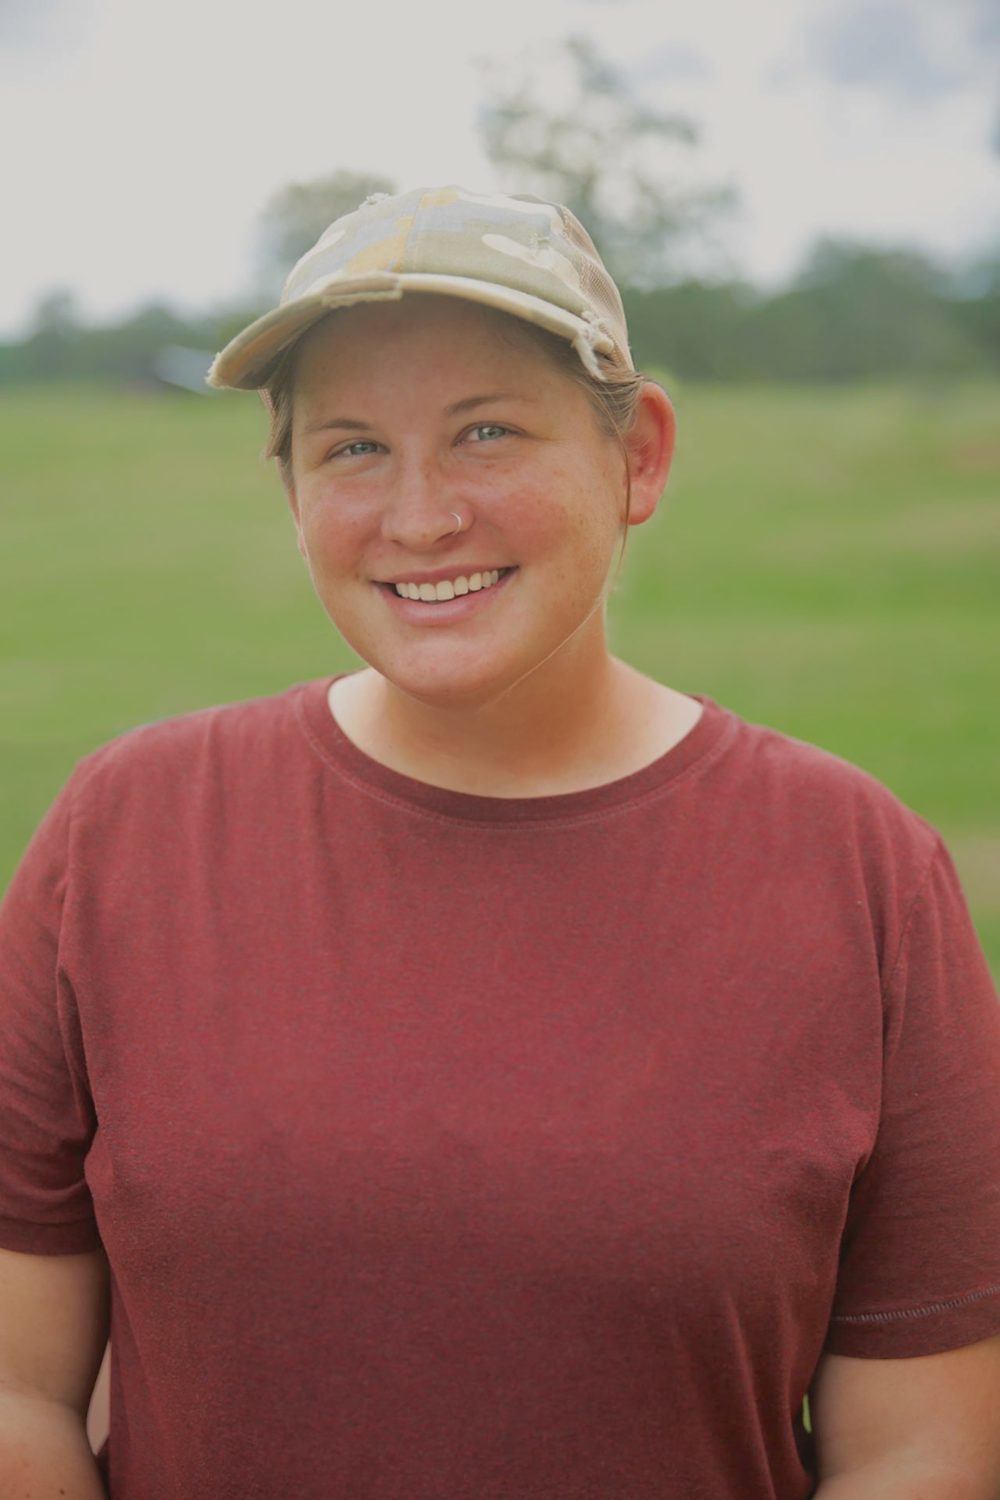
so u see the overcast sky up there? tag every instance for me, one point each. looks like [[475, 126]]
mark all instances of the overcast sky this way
[[141, 140]]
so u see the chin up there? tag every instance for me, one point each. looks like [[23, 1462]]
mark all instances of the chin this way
[[450, 685], [449, 690], [455, 675]]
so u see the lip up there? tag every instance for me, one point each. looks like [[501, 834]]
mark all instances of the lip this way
[[445, 611], [438, 575]]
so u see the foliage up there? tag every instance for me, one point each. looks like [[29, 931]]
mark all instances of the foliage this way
[[852, 311], [855, 310], [565, 124], [977, 300], [699, 330], [60, 347]]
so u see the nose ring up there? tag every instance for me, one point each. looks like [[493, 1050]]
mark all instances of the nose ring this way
[[458, 523]]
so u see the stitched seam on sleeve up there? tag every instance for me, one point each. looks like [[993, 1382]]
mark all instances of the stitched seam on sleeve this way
[[46, 1223], [928, 1310]]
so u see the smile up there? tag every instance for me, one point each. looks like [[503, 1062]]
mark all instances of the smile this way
[[450, 588]]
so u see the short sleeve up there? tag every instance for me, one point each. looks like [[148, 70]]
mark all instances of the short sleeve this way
[[47, 1117], [920, 1262]]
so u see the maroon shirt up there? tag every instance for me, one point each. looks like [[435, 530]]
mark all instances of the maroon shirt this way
[[448, 1146]]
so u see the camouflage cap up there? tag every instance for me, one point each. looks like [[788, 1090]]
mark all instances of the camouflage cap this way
[[517, 254]]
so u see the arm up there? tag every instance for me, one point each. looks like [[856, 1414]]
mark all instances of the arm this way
[[926, 1428], [53, 1330]]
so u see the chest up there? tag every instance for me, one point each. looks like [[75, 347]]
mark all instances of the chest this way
[[461, 1056]]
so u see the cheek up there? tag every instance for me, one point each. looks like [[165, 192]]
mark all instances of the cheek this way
[[591, 512], [330, 532]]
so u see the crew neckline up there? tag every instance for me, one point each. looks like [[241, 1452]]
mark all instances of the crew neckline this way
[[702, 743]]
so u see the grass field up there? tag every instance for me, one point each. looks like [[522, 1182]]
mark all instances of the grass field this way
[[827, 563]]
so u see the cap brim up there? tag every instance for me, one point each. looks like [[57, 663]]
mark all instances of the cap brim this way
[[248, 361]]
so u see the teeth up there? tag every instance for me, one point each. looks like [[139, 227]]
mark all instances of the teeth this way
[[448, 588]]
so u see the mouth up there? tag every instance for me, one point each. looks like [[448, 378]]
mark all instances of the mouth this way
[[446, 589], [447, 598]]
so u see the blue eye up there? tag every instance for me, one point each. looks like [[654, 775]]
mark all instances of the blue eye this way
[[486, 431], [359, 449]]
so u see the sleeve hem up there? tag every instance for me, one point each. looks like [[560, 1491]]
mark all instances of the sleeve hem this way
[[932, 1329], [49, 1239]]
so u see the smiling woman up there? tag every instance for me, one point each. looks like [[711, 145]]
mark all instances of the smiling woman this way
[[523, 491], [491, 1072]]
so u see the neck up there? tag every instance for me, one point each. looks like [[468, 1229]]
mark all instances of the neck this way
[[551, 733]]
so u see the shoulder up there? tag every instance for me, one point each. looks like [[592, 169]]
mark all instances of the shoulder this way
[[818, 782], [823, 808], [193, 750], [184, 734], [155, 787]]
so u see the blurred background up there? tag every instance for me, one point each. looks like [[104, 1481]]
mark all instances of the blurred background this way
[[800, 199]]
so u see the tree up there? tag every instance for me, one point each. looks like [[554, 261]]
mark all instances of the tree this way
[[293, 218], [975, 296], [56, 312], [566, 125], [858, 310], [52, 346], [692, 329]]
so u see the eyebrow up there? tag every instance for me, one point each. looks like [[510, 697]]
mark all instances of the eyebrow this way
[[352, 424]]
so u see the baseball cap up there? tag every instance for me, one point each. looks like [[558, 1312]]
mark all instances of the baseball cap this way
[[517, 254]]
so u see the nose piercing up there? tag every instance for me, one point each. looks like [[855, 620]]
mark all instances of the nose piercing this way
[[458, 523]]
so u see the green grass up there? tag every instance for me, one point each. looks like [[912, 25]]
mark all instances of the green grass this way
[[826, 561]]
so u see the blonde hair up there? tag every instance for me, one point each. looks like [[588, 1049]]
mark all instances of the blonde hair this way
[[614, 400]]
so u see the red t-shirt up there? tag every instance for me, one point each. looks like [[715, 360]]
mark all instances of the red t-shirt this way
[[456, 1146]]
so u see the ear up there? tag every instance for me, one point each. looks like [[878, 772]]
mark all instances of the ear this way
[[650, 448], [293, 505]]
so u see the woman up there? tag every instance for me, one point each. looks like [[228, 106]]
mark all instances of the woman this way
[[492, 1073]]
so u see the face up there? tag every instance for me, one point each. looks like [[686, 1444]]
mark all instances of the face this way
[[409, 414]]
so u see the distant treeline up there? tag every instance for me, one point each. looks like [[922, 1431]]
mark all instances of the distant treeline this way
[[851, 312]]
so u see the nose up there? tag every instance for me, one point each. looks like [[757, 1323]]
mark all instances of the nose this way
[[420, 509]]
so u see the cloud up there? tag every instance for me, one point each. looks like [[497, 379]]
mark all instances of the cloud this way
[[985, 22], [49, 28], [888, 45], [23, 23]]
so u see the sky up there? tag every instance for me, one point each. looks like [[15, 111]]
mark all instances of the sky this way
[[142, 140]]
